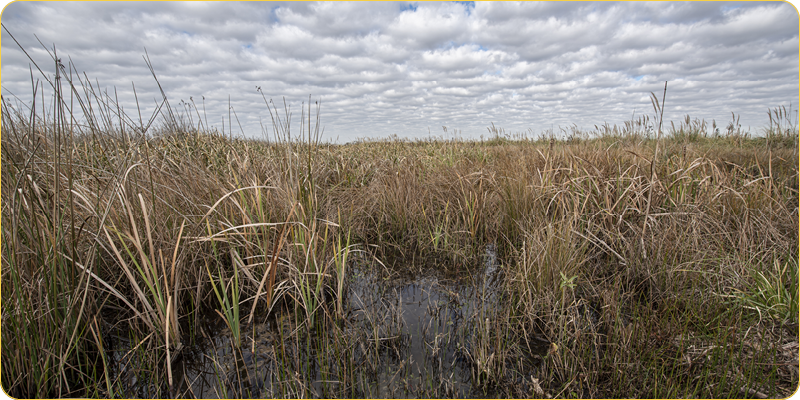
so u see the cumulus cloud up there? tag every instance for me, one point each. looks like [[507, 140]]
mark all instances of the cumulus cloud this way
[[411, 68]]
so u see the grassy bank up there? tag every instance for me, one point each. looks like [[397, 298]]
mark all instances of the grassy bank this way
[[654, 268]]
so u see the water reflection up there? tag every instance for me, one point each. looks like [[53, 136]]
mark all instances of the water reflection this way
[[405, 335]]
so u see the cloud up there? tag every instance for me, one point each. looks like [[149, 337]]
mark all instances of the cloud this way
[[402, 68]]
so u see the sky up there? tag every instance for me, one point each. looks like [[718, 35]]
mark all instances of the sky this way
[[417, 69]]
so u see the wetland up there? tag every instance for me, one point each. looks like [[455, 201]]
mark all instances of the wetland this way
[[170, 260]]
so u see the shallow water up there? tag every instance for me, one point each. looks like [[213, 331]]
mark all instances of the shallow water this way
[[406, 334]]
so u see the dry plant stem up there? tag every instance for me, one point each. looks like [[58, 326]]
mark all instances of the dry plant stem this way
[[271, 270], [660, 110], [166, 341], [176, 287]]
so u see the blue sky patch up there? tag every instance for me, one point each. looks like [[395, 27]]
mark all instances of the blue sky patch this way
[[273, 15], [727, 8], [408, 7]]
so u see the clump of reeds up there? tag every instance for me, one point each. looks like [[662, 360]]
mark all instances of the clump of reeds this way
[[115, 215]]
